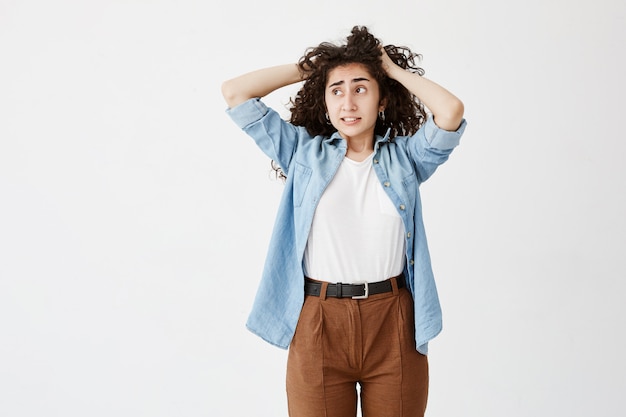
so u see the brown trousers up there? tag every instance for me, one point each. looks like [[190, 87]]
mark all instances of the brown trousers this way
[[340, 343]]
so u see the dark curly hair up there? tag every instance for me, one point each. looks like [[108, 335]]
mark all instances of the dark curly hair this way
[[404, 113]]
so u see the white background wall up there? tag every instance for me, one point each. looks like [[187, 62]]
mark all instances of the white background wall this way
[[134, 215]]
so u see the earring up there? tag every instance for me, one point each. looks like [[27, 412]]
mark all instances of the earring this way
[[328, 120], [381, 114]]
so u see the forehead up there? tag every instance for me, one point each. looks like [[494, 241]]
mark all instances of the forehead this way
[[348, 73]]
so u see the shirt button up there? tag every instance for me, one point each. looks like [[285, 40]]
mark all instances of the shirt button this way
[[386, 183], [408, 235], [412, 262], [402, 207], [375, 161]]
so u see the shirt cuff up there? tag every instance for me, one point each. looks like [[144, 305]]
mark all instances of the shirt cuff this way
[[247, 112], [442, 139]]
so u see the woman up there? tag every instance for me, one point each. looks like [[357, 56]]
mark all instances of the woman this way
[[348, 285]]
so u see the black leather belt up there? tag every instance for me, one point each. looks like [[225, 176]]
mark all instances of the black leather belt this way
[[355, 291]]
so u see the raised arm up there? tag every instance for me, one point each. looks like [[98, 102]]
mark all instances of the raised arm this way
[[259, 83], [446, 108]]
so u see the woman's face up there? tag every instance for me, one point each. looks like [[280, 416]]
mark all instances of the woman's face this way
[[353, 101]]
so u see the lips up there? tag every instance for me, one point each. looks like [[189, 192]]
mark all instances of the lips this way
[[350, 120]]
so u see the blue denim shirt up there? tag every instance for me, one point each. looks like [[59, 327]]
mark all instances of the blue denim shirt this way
[[310, 162]]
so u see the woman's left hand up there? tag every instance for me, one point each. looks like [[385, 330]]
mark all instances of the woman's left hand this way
[[388, 65], [446, 108]]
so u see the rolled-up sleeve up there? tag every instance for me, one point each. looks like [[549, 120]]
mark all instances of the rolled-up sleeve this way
[[276, 137], [247, 112], [442, 139], [431, 146]]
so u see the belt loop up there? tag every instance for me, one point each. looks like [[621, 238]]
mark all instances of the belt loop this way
[[394, 285], [323, 290], [339, 290]]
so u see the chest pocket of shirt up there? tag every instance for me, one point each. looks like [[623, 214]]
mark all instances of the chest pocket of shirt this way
[[301, 178]]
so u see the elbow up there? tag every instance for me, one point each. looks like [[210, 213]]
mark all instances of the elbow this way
[[453, 116], [233, 95], [229, 93]]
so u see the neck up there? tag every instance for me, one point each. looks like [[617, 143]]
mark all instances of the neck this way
[[359, 150]]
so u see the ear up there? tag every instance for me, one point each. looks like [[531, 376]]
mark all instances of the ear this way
[[382, 105]]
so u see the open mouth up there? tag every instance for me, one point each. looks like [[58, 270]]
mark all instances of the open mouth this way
[[350, 120]]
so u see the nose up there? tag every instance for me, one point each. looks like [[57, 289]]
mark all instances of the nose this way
[[348, 104]]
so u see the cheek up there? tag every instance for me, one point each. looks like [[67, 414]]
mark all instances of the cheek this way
[[331, 106], [328, 100]]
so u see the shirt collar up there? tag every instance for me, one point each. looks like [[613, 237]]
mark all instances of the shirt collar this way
[[378, 140]]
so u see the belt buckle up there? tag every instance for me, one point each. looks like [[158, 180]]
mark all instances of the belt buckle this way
[[367, 291]]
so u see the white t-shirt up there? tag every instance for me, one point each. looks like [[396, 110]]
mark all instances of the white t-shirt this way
[[357, 234]]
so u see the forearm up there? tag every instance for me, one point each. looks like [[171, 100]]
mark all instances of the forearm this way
[[259, 83], [446, 108]]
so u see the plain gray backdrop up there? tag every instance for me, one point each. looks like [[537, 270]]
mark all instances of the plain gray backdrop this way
[[135, 216]]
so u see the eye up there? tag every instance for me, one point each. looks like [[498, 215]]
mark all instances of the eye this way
[[336, 92], [361, 90]]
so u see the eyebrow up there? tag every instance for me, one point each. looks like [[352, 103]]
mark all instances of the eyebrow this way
[[354, 80]]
